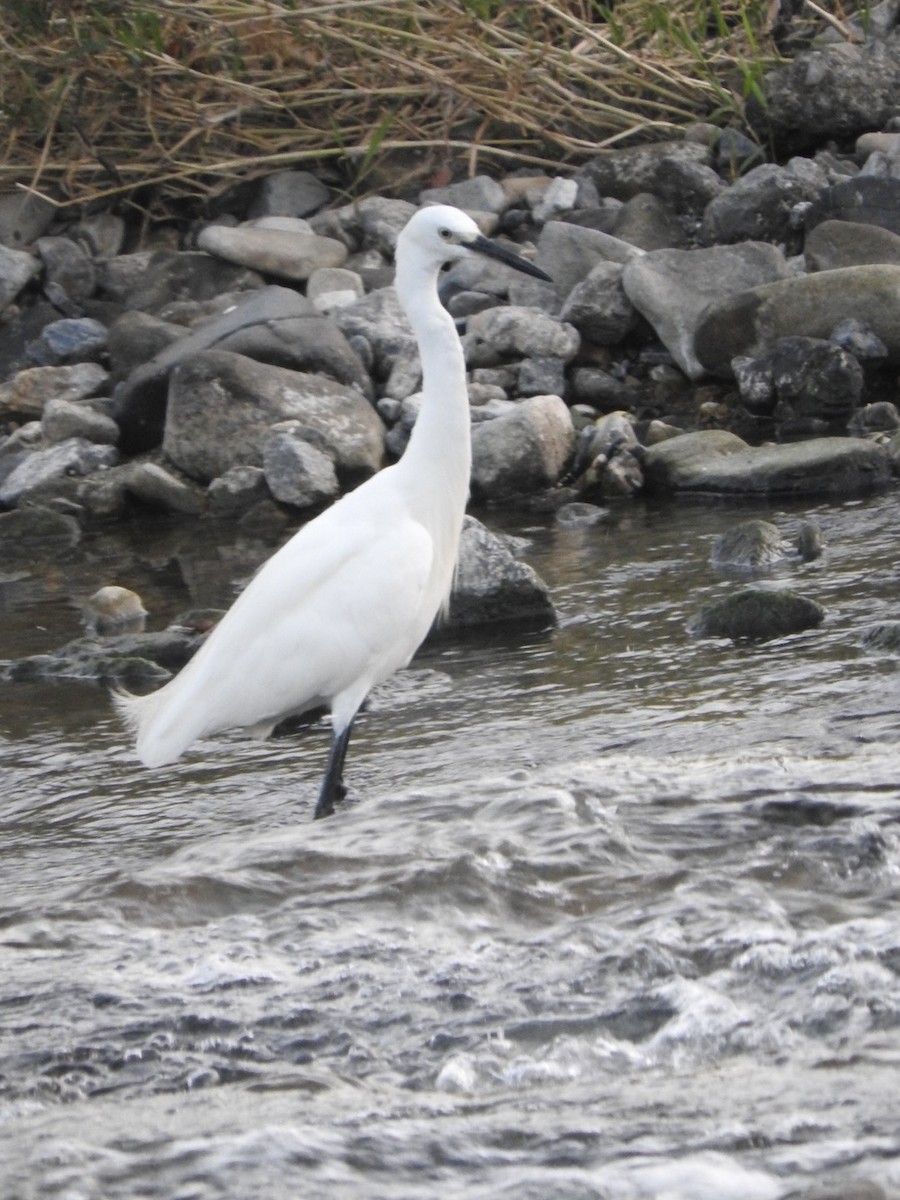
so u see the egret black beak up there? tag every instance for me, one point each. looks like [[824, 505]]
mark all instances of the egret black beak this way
[[483, 245]]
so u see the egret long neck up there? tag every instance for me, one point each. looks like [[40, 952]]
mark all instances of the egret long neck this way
[[438, 456]]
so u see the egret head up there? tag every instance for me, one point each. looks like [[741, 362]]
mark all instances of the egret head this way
[[441, 234]]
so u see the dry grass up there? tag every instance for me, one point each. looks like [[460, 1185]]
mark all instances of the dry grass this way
[[104, 98]]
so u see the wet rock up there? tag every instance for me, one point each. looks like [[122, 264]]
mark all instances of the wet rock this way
[[40, 468], [126, 659], [236, 491], [16, 269], [29, 391], [598, 306], [718, 462], [673, 289], [152, 485], [757, 546], [580, 515], [757, 614], [63, 419], [221, 405], [522, 451], [280, 246], [274, 325], [296, 471], [606, 458], [114, 609], [880, 417], [760, 204], [70, 340], [801, 377], [805, 306], [492, 585], [832, 244], [883, 636], [289, 194], [34, 530]]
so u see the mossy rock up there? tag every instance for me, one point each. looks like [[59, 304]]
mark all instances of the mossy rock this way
[[757, 615]]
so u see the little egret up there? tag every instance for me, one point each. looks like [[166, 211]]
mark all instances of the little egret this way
[[349, 599]]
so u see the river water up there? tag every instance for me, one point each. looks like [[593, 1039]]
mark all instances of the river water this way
[[611, 912]]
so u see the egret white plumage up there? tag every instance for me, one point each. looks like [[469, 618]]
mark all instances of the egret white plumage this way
[[350, 598]]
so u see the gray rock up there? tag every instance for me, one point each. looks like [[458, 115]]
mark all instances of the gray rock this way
[[569, 252], [673, 289], [687, 186], [805, 306], [69, 340], [757, 547], [646, 222], [289, 194], [381, 220], [601, 389], [478, 194], [883, 636], [759, 205], [833, 244], [102, 234], [64, 419], [832, 92], [34, 531], [598, 306], [880, 417], [378, 323], [624, 173], [17, 267], [68, 265], [331, 288], [42, 467], [540, 377], [864, 200], [168, 276], [156, 487], [579, 515], [757, 614], [236, 491], [296, 471], [24, 216], [221, 405], [491, 585], [523, 332], [27, 393], [274, 325], [716, 462], [606, 458], [807, 378], [523, 451], [135, 338], [288, 253]]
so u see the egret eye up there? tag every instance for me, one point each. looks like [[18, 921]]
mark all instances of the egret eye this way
[[446, 234]]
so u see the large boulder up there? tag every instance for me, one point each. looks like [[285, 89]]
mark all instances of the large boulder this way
[[523, 450], [221, 406], [718, 462]]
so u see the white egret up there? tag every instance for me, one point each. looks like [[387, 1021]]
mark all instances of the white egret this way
[[350, 598]]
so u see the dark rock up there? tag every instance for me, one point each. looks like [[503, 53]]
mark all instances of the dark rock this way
[[646, 222], [296, 470], [598, 306], [883, 636], [41, 468], [70, 340], [274, 325], [717, 462], [34, 531], [491, 585], [760, 204], [830, 92], [236, 491], [807, 378], [68, 266], [625, 173], [757, 546], [864, 200], [757, 614], [174, 275]]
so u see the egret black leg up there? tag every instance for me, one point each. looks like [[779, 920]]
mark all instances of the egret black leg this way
[[333, 783]]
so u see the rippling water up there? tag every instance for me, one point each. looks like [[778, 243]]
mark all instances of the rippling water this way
[[611, 912]]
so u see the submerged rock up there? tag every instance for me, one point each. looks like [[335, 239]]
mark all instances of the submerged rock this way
[[759, 546], [757, 614], [492, 585]]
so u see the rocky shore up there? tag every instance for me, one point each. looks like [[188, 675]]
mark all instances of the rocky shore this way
[[717, 325]]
